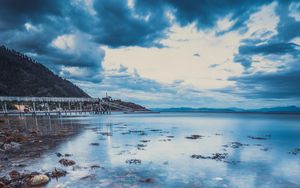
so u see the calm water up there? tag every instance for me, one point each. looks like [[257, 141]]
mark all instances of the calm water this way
[[159, 142]]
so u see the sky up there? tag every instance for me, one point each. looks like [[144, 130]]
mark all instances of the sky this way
[[165, 53]]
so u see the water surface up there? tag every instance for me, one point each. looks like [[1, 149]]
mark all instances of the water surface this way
[[151, 150]]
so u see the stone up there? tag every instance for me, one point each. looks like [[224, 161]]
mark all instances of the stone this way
[[39, 180], [56, 173], [66, 162], [13, 146], [133, 161], [194, 137], [14, 174]]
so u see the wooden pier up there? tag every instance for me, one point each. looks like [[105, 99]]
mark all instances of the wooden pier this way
[[57, 105]]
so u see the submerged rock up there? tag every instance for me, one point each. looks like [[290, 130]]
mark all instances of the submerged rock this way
[[265, 149], [236, 145], [94, 144], [215, 156], [95, 166], [66, 162], [68, 155], [133, 161], [147, 180], [295, 151], [155, 130], [257, 138], [194, 136], [39, 180], [56, 173]]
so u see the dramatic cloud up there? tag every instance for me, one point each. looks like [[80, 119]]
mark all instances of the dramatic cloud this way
[[206, 14], [119, 25], [165, 51], [274, 85]]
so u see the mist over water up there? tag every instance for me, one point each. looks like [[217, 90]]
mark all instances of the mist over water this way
[[155, 150]]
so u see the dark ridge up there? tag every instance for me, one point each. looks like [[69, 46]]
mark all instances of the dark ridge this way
[[132, 105], [22, 76]]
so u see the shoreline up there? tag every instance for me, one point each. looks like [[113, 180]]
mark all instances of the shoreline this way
[[20, 144]]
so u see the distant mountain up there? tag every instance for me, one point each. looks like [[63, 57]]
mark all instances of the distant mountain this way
[[279, 109], [286, 109], [22, 76]]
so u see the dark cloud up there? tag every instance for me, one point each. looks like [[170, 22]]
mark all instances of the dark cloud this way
[[206, 13], [279, 44], [245, 61], [15, 13], [280, 84], [269, 48], [287, 27], [118, 25], [274, 85], [31, 26]]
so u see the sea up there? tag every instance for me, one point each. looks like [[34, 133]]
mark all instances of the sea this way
[[178, 149]]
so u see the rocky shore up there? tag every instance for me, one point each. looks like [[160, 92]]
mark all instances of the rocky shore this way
[[22, 143]]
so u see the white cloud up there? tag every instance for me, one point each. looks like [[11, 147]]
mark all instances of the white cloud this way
[[65, 42], [294, 11], [263, 23], [30, 27]]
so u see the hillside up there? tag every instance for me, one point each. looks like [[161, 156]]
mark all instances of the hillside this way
[[22, 76], [134, 106]]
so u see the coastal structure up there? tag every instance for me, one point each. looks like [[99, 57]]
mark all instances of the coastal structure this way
[[58, 105]]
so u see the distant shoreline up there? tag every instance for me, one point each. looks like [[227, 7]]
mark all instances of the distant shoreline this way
[[232, 112]]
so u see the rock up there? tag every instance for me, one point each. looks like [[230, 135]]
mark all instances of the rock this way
[[2, 185], [155, 130], [66, 162], [39, 180], [90, 177], [14, 175], [265, 149], [215, 156], [194, 136], [95, 144], [147, 180], [133, 161], [58, 154], [56, 173], [4, 180], [106, 133], [237, 145], [13, 146], [68, 155], [95, 166], [295, 151], [257, 138]]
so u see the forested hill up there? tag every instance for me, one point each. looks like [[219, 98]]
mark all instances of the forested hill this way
[[22, 76]]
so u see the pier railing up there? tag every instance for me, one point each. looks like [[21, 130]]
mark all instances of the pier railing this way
[[59, 105]]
